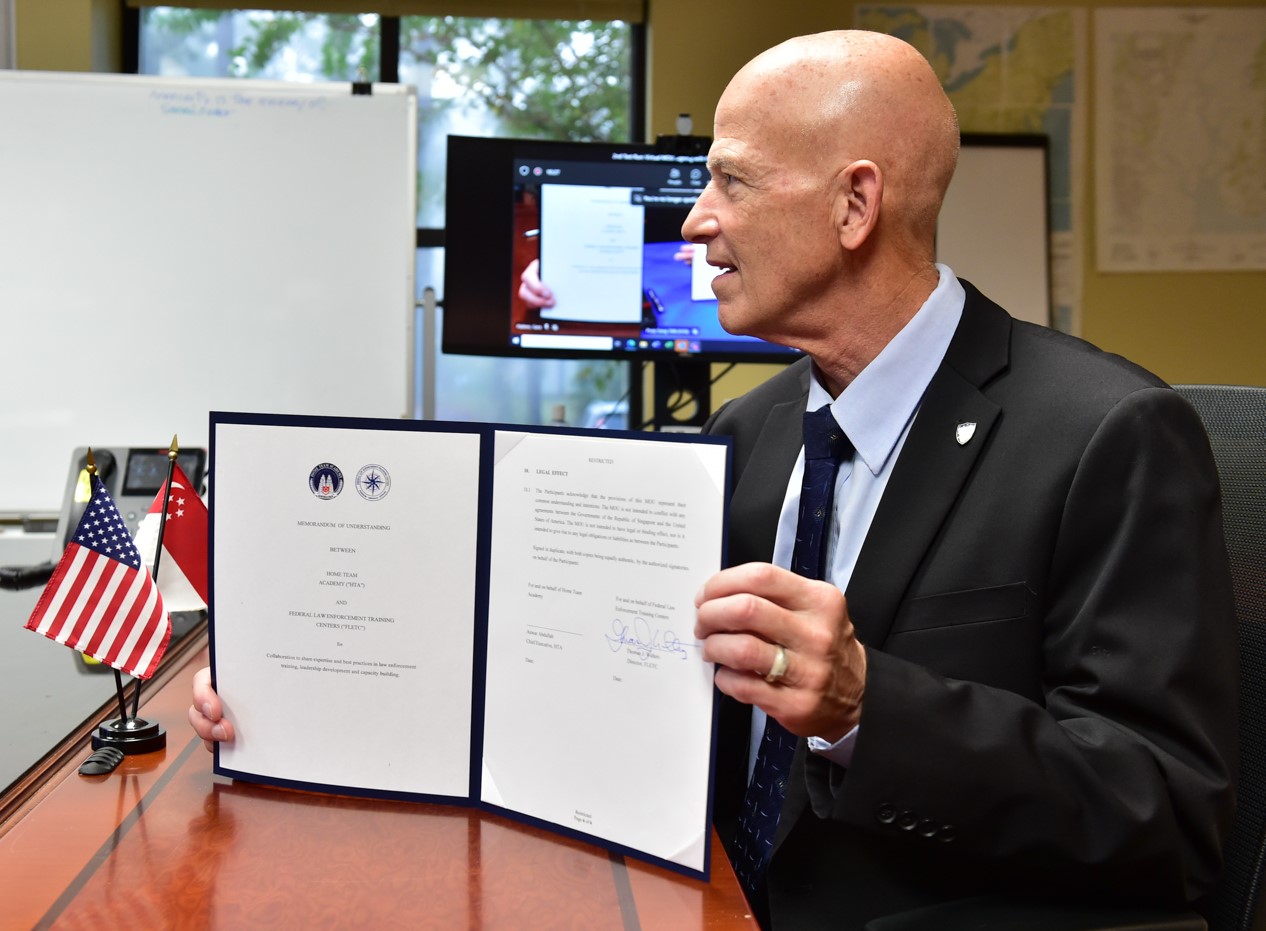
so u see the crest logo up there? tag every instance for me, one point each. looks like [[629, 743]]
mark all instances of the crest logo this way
[[373, 482], [326, 481], [964, 432]]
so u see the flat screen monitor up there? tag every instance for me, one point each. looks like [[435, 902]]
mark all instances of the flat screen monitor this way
[[602, 223]]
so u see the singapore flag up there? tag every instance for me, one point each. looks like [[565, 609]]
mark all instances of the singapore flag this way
[[182, 572]]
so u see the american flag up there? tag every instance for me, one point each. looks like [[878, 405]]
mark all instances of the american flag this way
[[100, 601]]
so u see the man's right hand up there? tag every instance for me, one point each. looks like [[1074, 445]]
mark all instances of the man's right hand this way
[[206, 712]]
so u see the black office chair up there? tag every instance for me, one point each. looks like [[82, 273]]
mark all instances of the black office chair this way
[[1235, 418]]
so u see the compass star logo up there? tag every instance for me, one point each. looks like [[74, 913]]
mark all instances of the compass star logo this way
[[373, 482]]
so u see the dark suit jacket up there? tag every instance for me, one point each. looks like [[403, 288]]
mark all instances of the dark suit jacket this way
[[1049, 627]]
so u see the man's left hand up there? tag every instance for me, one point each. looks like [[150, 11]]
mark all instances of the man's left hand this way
[[746, 612]]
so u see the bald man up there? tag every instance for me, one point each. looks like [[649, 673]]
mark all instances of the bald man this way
[[1016, 680], [1014, 685]]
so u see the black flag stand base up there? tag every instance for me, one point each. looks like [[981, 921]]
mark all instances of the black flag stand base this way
[[130, 735]]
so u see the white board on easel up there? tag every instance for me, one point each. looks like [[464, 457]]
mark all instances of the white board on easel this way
[[170, 246], [993, 227]]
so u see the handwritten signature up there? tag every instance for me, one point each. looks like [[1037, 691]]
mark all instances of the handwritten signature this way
[[642, 640]]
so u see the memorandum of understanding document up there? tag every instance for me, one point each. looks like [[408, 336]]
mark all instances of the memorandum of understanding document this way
[[458, 612]]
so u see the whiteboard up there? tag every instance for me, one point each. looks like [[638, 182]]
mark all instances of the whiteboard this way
[[170, 247], [993, 224]]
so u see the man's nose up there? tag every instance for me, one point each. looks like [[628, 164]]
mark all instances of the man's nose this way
[[700, 225]]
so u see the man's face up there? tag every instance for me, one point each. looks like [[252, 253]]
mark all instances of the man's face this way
[[766, 219]]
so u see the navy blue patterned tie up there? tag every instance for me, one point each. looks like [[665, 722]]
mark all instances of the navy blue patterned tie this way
[[825, 447]]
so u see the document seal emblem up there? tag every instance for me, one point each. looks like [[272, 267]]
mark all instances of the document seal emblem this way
[[373, 482], [326, 481]]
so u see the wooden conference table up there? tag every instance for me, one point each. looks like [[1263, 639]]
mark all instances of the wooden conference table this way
[[160, 843]]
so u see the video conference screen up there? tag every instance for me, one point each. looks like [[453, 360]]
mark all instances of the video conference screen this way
[[575, 249]]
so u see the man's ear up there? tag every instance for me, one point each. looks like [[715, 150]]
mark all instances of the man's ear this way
[[859, 195]]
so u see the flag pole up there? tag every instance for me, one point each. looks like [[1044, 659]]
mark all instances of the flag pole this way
[[172, 452], [118, 676]]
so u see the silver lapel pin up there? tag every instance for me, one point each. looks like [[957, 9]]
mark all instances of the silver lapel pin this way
[[964, 432]]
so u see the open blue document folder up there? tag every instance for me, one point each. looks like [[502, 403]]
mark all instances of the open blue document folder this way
[[476, 614]]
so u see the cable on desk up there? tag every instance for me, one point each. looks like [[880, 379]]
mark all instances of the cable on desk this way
[[17, 578]]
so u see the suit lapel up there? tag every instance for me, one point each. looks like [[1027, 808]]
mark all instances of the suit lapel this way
[[933, 465], [758, 496], [754, 510]]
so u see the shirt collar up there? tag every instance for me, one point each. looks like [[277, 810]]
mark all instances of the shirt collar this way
[[877, 406]]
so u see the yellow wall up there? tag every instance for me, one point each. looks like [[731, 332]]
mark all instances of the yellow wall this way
[[68, 35], [1187, 327]]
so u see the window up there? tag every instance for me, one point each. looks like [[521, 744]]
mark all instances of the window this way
[[260, 44], [474, 76]]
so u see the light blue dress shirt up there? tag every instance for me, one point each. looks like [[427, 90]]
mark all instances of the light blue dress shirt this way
[[875, 410]]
